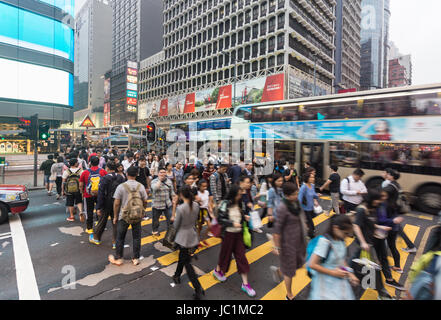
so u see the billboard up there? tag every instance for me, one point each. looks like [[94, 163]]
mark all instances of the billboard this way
[[132, 87], [106, 115], [417, 129], [299, 88], [263, 89]]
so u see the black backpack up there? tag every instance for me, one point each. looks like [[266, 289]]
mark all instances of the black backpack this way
[[114, 183]]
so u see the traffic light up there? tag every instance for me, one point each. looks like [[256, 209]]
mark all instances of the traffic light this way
[[30, 127], [27, 133], [151, 132], [44, 132]]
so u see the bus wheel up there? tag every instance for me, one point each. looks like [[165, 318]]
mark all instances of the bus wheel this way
[[374, 183], [4, 213], [429, 199]]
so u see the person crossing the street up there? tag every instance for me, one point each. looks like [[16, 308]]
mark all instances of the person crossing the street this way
[[104, 206], [46, 167], [71, 188], [353, 189], [130, 203], [89, 184], [333, 183], [163, 197]]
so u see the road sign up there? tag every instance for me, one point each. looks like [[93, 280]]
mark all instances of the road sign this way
[[87, 123]]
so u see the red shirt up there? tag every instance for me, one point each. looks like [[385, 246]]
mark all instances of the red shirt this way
[[85, 179]]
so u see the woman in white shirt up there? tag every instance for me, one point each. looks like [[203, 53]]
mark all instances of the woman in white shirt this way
[[205, 210]]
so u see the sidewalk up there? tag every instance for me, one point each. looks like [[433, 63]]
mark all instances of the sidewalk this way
[[23, 178]]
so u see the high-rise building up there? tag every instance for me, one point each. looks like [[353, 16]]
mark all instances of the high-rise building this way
[[348, 47], [137, 34], [207, 43], [400, 68], [36, 63], [93, 56], [374, 43]]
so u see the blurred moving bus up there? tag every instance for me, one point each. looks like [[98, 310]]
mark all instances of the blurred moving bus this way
[[398, 128]]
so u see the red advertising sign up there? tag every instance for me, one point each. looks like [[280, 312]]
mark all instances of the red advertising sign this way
[[163, 111], [224, 98], [132, 72], [132, 101], [347, 90], [273, 90], [190, 103]]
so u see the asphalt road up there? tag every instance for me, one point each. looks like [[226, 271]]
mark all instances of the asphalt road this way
[[62, 264]]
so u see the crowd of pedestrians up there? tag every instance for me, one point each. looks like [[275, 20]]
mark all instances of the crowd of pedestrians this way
[[102, 184]]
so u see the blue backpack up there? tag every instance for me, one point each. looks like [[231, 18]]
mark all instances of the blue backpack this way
[[423, 287], [310, 250]]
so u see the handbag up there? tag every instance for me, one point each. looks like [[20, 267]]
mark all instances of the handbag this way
[[246, 236], [318, 209], [169, 239], [255, 221], [215, 228]]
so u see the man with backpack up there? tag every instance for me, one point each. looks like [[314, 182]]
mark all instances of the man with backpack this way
[[71, 188], [89, 183], [104, 207], [129, 206]]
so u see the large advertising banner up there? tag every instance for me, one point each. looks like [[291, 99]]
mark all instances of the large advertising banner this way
[[206, 100], [273, 90], [176, 105], [421, 129], [299, 88], [224, 98], [190, 103], [146, 110], [163, 112]]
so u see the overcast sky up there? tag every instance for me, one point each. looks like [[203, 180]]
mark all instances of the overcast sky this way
[[415, 28]]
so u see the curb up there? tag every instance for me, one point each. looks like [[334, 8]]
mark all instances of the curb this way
[[36, 188]]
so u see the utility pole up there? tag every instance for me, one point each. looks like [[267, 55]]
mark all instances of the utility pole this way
[[34, 131]]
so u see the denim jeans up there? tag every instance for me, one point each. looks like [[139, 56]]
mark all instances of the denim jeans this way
[[157, 214], [121, 236]]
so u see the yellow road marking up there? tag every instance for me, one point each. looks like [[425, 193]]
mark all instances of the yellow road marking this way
[[299, 282], [424, 217], [151, 239], [412, 232], [146, 223], [325, 198]]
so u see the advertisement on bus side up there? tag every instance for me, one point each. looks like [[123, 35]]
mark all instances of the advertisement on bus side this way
[[415, 129]]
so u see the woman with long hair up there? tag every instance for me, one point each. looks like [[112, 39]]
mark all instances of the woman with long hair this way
[[232, 217], [187, 238], [275, 195], [308, 199], [154, 167]]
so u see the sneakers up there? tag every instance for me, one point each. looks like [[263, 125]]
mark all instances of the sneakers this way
[[92, 240], [258, 230], [276, 274], [117, 262], [58, 197], [82, 217], [397, 270], [210, 234], [135, 262], [248, 290], [146, 218], [70, 219], [409, 250], [395, 285], [89, 231], [219, 276]]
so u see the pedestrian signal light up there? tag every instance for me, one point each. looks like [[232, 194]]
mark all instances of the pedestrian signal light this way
[[44, 132]]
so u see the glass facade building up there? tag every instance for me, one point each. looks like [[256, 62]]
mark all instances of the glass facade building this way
[[374, 43], [37, 59]]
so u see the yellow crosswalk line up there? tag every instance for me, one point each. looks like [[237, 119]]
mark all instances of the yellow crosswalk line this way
[[173, 257], [151, 239], [299, 282], [325, 198], [146, 223], [321, 218], [412, 232]]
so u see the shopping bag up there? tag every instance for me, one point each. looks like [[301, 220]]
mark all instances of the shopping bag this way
[[318, 209], [169, 239], [255, 221], [246, 236], [215, 228]]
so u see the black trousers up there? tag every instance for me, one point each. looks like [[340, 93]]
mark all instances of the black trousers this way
[[59, 182], [102, 222], [405, 238], [121, 237], [311, 228], [90, 204], [349, 206], [381, 250], [185, 261], [392, 244]]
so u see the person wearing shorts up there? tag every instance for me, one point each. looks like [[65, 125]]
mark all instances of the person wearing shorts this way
[[76, 198]]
